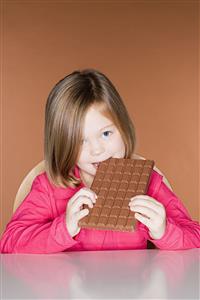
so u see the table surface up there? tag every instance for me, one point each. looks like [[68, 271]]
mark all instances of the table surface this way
[[127, 274]]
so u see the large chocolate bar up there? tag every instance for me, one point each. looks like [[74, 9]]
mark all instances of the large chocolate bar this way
[[115, 183]]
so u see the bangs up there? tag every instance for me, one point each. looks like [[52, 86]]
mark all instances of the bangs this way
[[102, 107]]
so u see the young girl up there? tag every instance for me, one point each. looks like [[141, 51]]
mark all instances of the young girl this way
[[86, 123]]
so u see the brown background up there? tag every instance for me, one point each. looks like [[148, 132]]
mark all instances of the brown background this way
[[149, 49]]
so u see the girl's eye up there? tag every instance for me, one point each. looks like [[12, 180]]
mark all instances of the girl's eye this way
[[107, 133], [83, 141]]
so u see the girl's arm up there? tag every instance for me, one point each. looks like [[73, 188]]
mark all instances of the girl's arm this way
[[181, 231], [34, 229]]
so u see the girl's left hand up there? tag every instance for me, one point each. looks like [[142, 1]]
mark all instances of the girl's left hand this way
[[151, 213]]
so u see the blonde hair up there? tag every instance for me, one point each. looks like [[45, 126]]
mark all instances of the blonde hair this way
[[66, 107]]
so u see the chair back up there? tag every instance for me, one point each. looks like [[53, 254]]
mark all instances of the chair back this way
[[26, 184]]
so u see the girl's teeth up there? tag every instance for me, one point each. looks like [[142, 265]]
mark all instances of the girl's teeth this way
[[96, 165]]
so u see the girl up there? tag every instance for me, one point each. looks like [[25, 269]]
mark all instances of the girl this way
[[86, 123]]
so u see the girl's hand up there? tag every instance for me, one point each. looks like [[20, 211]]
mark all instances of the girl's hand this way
[[75, 211], [151, 213]]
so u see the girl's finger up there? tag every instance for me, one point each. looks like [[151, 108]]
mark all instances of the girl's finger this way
[[76, 206], [145, 198], [143, 220], [146, 211], [83, 192], [146, 203], [82, 213]]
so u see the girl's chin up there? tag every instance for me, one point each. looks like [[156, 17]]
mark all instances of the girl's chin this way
[[93, 172], [90, 171]]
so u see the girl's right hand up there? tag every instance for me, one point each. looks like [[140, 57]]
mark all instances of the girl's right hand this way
[[75, 211]]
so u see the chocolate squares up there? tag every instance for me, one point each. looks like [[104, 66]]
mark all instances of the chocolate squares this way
[[115, 183]]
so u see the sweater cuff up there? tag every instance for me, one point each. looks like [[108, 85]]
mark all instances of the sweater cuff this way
[[61, 234], [167, 242]]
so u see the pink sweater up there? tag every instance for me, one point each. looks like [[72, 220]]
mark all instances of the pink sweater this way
[[38, 225]]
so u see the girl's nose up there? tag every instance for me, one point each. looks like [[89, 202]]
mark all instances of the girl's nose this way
[[96, 148]]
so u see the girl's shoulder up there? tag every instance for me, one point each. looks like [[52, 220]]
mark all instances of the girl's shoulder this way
[[41, 181], [43, 184]]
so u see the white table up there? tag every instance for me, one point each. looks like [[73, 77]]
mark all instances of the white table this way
[[131, 274]]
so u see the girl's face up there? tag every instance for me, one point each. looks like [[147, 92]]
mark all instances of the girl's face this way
[[101, 140]]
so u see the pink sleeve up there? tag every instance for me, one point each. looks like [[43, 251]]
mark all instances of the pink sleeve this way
[[33, 229], [181, 231]]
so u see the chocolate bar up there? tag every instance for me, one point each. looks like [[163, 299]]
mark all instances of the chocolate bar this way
[[115, 183]]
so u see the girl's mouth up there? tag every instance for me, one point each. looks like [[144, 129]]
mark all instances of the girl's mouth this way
[[96, 165]]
